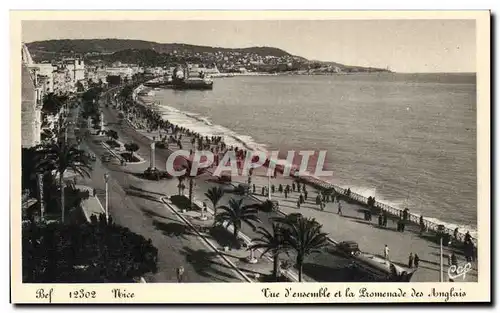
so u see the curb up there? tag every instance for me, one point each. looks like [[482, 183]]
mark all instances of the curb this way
[[119, 157], [206, 240], [248, 240]]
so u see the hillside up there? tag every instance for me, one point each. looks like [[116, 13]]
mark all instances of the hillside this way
[[147, 53], [108, 46]]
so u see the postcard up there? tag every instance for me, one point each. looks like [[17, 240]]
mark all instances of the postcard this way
[[250, 157]]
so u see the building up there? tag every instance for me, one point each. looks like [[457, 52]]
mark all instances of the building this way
[[46, 70], [31, 103], [63, 81], [76, 67]]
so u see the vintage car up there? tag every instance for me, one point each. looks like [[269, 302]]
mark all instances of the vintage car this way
[[349, 248]]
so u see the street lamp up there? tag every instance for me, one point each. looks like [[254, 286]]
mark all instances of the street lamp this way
[[269, 187], [442, 235], [203, 217], [251, 258], [106, 179]]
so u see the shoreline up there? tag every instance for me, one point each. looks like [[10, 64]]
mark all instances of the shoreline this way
[[431, 225]]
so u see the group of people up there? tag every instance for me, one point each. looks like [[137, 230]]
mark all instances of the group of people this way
[[413, 259]]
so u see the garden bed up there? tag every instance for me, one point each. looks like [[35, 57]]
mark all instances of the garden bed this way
[[129, 157], [113, 144], [182, 202]]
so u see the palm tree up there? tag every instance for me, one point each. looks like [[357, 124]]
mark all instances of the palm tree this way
[[188, 166], [61, 157], [214, 194], [303, 235], [235, 214], [273, 243]]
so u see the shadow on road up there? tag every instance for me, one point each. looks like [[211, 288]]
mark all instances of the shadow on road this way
[[205, 263], [141, 195], [173, 229], [148, 191]]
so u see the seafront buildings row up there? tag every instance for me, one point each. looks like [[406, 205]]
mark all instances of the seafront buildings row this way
[[63, 77]]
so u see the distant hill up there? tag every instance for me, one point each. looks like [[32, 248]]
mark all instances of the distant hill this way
[[108, 46], [148, 53]]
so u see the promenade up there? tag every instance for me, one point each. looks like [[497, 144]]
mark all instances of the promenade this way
[[370, 237]]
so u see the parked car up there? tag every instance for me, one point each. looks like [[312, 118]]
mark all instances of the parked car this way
[[350, 248]]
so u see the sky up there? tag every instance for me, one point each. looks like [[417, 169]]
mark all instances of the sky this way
[[401, 45]]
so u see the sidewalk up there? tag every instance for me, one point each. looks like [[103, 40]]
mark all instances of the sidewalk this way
[[352, 226], [92, 205], [252, 272]]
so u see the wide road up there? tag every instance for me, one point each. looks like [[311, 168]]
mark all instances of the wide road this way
[[325, 266], [142, 213]]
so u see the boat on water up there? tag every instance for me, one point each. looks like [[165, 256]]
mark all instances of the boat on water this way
[[181, 80]]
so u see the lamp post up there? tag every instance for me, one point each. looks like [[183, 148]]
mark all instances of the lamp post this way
[[441, 266], [441, 259], [251, 258], [106, 179], [203, 217], [269, 187]]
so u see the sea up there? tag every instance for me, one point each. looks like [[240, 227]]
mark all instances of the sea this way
[[409, 140]]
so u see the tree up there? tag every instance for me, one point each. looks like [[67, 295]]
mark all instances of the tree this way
[[235, 214], [273, 243], [84, 253], [131, 147], [53, 103], [60, 157], [214, 194], [304, 235], [188, 166], [112, 134]]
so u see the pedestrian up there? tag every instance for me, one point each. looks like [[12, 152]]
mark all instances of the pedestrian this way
[[386, 253], [301, 198], [339, 211], [455, 233], [286, 194], [305, 195], [263, 190], [180, 274], [280, 188], [298, 204], [293, 187], [416, 259], [454, 260], [410, 260], [272, 188], [467, 237]]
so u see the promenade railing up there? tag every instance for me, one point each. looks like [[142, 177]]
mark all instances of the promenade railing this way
[[396, 212]]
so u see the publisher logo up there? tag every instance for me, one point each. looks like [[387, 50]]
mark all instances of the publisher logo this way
[[456, 271]]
